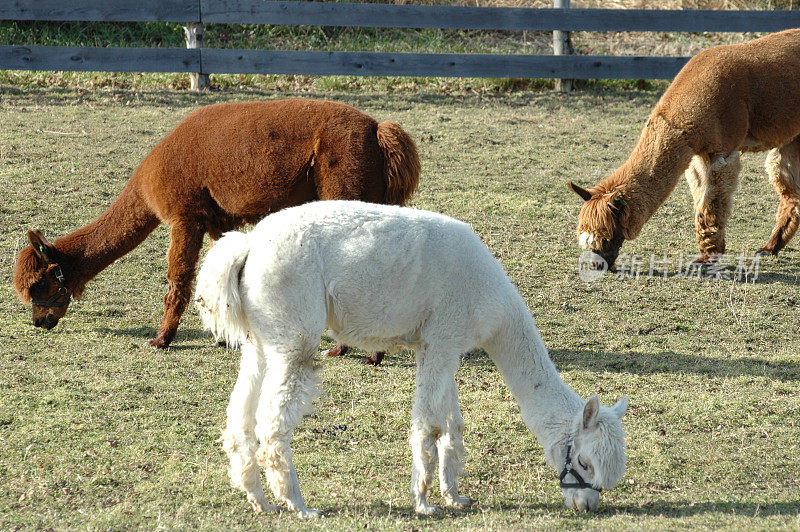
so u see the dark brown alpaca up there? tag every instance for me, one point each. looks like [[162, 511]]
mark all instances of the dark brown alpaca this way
[[222, 166]]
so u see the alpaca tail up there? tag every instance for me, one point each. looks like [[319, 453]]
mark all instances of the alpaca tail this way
[[218, 296], [401, 162]]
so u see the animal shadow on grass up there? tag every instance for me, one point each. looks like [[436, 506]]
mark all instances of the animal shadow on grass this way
[[379, 509], [674, 509], [671, 362], [662, 362], [783, 269], [678, 509], [198, 337], [773, 277]]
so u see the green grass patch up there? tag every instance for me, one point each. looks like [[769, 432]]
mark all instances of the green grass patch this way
[[98, 431]]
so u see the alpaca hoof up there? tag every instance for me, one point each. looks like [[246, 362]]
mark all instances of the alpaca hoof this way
[[766, 251], [427, 509], [337, 351], [310, 513], [261, 505], [375, 358], [159, 342], [459, 501], [705, 259]]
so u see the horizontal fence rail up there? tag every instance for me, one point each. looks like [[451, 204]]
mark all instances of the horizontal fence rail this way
[[398, 16], [86, 58], [444, 65], [209, 60], [101, 10], [223, 61], [492, 18]]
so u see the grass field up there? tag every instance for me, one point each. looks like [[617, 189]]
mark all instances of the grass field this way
[[98, 431]]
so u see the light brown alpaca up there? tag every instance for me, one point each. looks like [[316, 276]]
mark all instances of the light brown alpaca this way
[[726, 100], [222, 166]]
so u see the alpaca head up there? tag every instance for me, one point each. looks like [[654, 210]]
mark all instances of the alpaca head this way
[[594, 454], [39, 279], [601, 224]]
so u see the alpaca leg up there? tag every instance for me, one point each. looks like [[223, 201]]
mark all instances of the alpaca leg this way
[[239, 439], [186, 239], [451, 451], [287, 394], [713, 183], [783, 167], [434, 420], [424, 455]]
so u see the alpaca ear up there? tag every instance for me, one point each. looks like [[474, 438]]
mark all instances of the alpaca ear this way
[[42, 248], [621, 407], [580, 191], [590, 411]]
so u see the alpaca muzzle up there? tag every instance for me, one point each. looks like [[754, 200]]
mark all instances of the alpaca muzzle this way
[[608, 258], [583, 500], [46, 322], [578, 494], [608, 252]]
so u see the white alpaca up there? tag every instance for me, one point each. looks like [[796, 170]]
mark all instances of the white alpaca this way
[[382, 278]]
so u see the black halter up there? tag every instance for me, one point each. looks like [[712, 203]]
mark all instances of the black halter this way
[[568, 470], [53, 301]]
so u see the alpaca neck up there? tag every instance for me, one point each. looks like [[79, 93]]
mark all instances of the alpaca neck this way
[[651, 172], [90, 249], [548, 405]]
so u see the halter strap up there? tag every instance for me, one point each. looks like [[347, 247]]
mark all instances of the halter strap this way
[[53, 301], [569, 470]]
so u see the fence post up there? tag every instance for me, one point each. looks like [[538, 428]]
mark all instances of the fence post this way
[[562, 45], [194, 40]]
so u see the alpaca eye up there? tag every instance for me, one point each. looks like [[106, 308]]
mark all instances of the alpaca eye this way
[[41, 284], [580, 463]]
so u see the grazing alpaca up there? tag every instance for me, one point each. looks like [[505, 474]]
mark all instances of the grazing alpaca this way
[[344, 266], [726, 100], [222, 166]]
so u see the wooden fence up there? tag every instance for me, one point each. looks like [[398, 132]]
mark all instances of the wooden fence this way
[[210, 60]]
